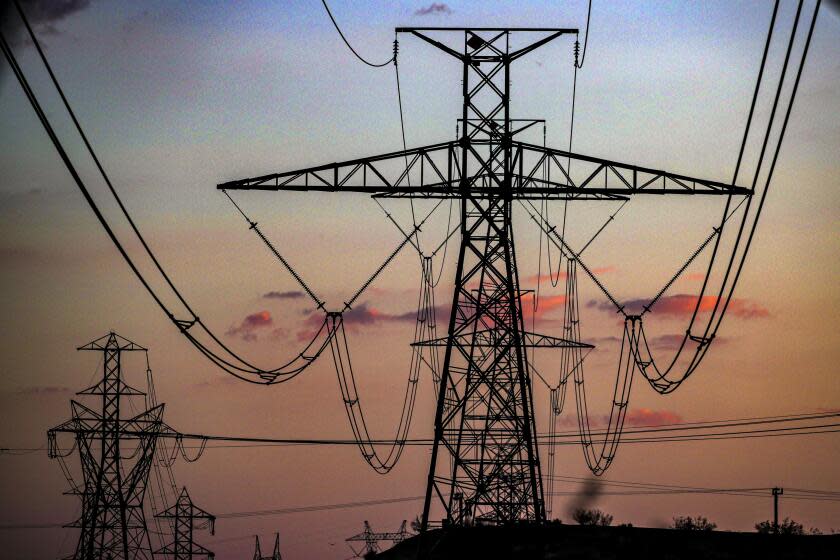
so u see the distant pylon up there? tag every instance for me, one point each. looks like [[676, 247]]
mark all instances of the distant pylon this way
[[183, 515], [372, 539], [113, 524], [275, 556]]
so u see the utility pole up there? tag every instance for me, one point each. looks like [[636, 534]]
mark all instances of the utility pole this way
[[776, 493], [112, 523], [184, 515], [484, 419]]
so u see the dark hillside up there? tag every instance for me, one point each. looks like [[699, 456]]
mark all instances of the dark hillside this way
[[574, 542]]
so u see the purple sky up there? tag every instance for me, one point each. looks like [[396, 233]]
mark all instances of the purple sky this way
[[178, 97]]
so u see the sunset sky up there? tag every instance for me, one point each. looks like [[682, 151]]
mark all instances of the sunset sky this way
[[177, 97]]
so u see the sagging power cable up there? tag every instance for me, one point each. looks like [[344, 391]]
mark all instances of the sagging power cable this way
[[659, 377], [424, 330], [231, 362], [183, 325], [349, 46]]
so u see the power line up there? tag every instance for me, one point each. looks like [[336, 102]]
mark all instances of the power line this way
[[585, 38], [646, 489], [323, 507], [658, 435], [676, 489], [349, 46]]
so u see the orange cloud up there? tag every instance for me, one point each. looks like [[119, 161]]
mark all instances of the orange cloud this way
[[544, 303]]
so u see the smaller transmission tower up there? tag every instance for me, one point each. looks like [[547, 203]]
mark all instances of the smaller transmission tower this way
[[184, 515], [274, 556], [372, 540], [116, 455]]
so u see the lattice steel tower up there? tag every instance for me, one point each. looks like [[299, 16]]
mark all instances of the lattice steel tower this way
[[275, 555], [484, 419], [183, 515], [113, 523]]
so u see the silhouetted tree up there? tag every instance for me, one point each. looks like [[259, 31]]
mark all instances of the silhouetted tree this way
[[592, 517], [688, 523], [786, 527]]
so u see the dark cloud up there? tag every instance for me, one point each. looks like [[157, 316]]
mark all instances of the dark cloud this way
[[216, 381], [14, 256], [279, 333], [682, 305], [586, 497], [432, 9], [364, 315], [673, 341], [42, 16], [48, 11], [666, 341], [43, 390], [246, 330], [16, 201], [283, 295], [604, 340]]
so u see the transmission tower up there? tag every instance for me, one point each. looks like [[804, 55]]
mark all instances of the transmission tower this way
[[274, 556], [115, 455], [372, 539], [184, 515], [484, 419]]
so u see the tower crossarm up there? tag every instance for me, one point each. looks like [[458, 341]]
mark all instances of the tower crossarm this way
[[383, 173], [537, 172], [577, 173], [485, 338]]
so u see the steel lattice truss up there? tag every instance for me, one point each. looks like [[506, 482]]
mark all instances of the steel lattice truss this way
[[274, 555], [434, 172], [184, 515], [112, 523], [484, 420], [372, 539]]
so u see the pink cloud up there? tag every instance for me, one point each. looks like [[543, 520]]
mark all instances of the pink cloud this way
[[649, 417], [682, 305], [547, 278], [635, 417], [246, 330]]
